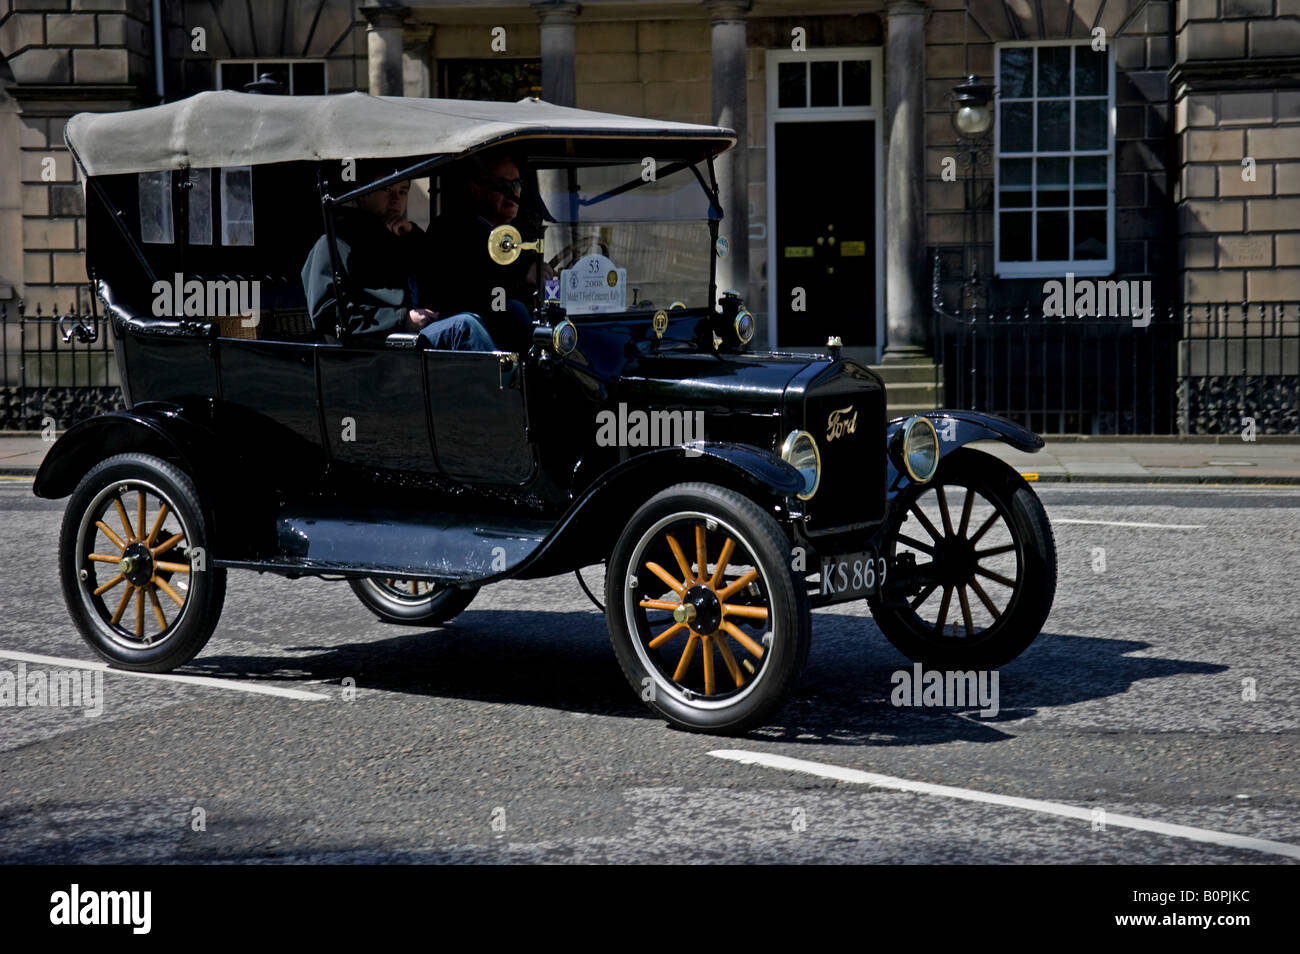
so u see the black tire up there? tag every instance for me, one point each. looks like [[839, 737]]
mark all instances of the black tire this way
[[923, 621], [431, 604], [684, 685], [159, 552]]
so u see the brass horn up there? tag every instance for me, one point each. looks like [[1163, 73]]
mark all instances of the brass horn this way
[[504, 244]]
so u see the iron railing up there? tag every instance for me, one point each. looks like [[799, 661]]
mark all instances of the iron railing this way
[[55, 369], [1198, 369], [1239, 368]]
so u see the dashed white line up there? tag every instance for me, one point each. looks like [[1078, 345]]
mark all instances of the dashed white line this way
[[842, 774], [208, 681], [1127, 523]]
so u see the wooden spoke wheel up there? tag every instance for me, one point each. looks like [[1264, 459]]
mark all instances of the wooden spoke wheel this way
[[411, 602], [135, 565], [985, 564], [709, 622]]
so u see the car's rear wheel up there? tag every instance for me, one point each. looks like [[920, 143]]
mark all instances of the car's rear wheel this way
[[709, 622], [985, 566], [134, 564], [412, 602]]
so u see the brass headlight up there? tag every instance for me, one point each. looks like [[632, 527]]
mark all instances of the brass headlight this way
[[920, 449], [800, 451], [565, 337], [744, 326]]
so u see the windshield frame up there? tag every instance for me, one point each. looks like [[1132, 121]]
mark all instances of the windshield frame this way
[[709, 188]]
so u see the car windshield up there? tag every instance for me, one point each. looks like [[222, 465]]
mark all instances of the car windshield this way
[[627, 237]]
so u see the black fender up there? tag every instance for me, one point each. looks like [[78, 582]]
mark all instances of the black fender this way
[[151, 428], [239, 519], [957, 429], [588, 529]]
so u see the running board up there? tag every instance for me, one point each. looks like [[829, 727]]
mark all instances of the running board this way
[[448, 547]]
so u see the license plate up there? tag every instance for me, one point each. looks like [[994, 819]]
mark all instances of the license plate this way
[[851, 576]]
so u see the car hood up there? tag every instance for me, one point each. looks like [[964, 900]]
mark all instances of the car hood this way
[[732, 382]]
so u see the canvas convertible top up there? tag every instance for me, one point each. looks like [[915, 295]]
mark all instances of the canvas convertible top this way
[[227, 128]]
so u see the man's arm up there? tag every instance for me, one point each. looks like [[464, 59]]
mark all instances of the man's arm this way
[[371, 311]]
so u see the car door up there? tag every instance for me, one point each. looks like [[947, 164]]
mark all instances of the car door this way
[[479, 416], [267, 411], [373, 408]]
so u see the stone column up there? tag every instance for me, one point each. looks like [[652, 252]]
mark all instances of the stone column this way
[[731, 109], [384, 46], [558, 16], [906, 310], [417, 60]]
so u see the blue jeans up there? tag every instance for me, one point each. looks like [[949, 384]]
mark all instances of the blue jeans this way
[[463, 332]]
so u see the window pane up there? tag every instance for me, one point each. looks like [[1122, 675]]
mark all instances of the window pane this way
[[1016, 172], [308, 79], [235, 75], [1053, 236], [1053, 71], [1015, 232], [791, 82], [200, 201], [1090, 124], [1017, 127], [237, 205], [1091, 76], [1090, 180], [277, 71], [156, 207], [1053, 182], [1090, 171], [1016, 180], [826, 83], [1054, 125], [1090, 235], [1016, 78], [857, 83]]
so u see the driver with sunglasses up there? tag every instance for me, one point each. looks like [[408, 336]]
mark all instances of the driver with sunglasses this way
[[490, 198]]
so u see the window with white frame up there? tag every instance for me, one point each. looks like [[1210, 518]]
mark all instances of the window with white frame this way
[[1054, 189], [296, 77]]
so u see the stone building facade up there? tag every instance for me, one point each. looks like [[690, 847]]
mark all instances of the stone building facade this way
[[1145, 140]]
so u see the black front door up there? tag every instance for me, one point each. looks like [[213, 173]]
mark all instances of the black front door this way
[[480, 422], [373, 408], [825, 233]]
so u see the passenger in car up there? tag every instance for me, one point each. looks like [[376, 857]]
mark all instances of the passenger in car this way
[[492, 195], [383, 256]]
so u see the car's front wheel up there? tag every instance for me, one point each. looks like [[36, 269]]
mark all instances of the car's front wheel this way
[[709, 622], [135, 566], [979, 566], [411, 602]]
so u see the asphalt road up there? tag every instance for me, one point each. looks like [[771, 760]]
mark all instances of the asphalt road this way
[[511, 734]]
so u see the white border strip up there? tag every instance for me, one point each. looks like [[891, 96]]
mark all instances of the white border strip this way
[[1124, 523], [186, 680], [840, 774]]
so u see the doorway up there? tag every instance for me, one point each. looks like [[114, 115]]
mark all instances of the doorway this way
[[825, 200]]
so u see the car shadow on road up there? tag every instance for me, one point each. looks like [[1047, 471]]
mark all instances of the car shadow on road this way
[[564, 661], [554, 660], [864, 695]]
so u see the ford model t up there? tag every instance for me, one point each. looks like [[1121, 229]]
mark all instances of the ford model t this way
[[726, 491]]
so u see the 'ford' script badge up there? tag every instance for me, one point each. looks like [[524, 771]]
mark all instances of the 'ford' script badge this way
[[840, 423]]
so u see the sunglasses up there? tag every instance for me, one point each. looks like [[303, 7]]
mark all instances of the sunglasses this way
[[507, 187]]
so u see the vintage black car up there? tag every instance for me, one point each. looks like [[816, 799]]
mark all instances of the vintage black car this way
[[726, 491]]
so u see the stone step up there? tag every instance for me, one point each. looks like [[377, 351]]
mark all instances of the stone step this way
[[915, 393], [907, 372], [906, 410]]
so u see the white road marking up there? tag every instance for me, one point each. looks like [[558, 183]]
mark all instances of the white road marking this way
[[1089, 488], [1126, 523], [841, 774], [167, 677]]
